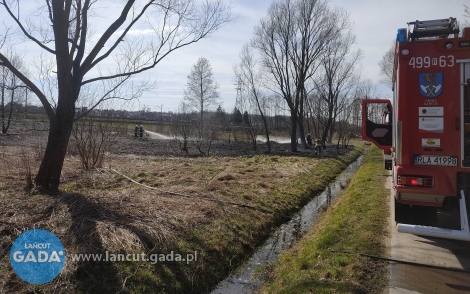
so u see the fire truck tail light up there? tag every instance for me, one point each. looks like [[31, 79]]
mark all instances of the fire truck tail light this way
[[422, 181]]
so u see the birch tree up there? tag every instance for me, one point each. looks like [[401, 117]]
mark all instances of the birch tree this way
[[201, 91]]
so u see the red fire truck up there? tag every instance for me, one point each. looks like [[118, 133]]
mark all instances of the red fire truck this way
[[424, 132]]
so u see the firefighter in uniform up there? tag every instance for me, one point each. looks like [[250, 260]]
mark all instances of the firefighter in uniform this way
[[318, 146], [141, 131]]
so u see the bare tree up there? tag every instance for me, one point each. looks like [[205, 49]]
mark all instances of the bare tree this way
[[345, 125], [181, 126], [365, 89], [64, 31], [250, 129], [11, 90], [336, 78], [316, 109], [201, 90], [386, 66], [250, 82], [4, 92], [356, 118], [290, 40]]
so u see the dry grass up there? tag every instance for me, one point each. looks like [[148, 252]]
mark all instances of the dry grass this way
[[102, 210]]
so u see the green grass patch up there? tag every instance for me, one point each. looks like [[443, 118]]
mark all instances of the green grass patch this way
[[357, 222]]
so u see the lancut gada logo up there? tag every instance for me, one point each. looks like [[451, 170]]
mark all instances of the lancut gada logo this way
[[37, 256]]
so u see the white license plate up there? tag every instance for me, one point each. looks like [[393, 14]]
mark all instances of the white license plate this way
[[435, 160]]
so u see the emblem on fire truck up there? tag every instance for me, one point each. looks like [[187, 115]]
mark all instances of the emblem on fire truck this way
[[430, 84]]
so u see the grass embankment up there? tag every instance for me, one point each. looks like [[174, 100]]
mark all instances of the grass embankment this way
[[356, 222], [101, 211]]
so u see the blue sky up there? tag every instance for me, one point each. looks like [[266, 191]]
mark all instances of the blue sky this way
[[375, 23]]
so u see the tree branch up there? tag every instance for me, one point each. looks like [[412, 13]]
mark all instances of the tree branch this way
[[77, 29], [130, 73], [121, 37], [15, 87], [87, 64], [49, 8], [103, 98], [24, 30]]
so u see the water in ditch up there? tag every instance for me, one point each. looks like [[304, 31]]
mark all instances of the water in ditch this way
[[246, 280]]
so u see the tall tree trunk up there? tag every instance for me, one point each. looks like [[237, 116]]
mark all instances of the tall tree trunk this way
[[266, 130], [293, 135], [60, 129], [10, 112], [201, 127], [328, 125], [253, 142], [265, 122], [302, 134], [332, 130], [48, 176], [300, 120], [2, 105]]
